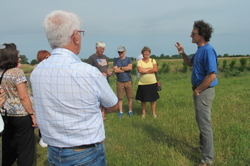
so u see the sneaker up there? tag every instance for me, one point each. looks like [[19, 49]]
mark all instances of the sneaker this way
[[130, 113], [143, 116], [42, 144], [154, 116], [120, 114]]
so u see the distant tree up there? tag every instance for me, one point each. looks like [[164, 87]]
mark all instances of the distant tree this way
[[153, 56], [34, 62], [132, 58], [176, 56], [83, 60], [162, 56], [167, 57], [219, 56], [225, 55], [24, 59]]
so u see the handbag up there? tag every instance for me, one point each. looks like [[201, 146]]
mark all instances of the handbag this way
[[1, 118], [159, 86]]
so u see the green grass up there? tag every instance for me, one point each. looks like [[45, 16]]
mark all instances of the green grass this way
[[169, 139]]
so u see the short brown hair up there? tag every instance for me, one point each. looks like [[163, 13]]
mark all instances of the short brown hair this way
[[8, 56], [42, 54], [145, 48]]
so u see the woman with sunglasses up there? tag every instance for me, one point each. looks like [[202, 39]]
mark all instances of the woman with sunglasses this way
[[18, 135]]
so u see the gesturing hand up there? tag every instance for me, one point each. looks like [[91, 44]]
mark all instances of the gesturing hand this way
[[179, 48]]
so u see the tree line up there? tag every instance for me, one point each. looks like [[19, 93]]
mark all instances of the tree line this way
[[24, 59]]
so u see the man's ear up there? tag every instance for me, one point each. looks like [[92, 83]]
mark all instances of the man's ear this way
[[76, 38]]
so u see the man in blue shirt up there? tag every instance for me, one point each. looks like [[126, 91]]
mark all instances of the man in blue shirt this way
[[122, 68], [67, 96], [204, 78]]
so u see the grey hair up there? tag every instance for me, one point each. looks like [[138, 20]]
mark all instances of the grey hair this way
[[59, 26], [100, 44]]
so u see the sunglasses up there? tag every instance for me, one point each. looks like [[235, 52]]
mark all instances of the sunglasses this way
[[120, 52], [192, 33]]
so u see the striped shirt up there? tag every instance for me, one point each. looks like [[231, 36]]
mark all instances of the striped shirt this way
[[67, 97]]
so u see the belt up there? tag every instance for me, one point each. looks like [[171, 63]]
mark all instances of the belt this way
[[80, 147], [195, 86]]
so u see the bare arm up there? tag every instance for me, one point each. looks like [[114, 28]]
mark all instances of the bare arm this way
[[154, 70], [142, 70], [186, 59], [205, 83], [122, 69], [2, 97], [25, 100], [111, 109]]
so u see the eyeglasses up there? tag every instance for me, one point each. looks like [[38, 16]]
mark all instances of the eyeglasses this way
[[82, 32], [120, 52], [192, 33], [79, 32], [2, 46]]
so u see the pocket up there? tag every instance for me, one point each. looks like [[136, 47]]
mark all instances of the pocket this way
[[51, 163]]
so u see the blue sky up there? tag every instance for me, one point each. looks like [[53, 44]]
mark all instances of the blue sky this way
[[157, 24]]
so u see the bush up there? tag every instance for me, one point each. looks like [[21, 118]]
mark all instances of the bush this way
[[224, 65], [167, 68], [231, 73], [162, 67], [133, 69], [243, 62], [232, 64], [185, 67]]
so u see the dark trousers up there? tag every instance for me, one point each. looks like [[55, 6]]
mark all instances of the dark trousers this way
[[18, 141]]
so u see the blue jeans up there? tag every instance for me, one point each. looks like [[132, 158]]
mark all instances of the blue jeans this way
[[94, 156], [202, 104]]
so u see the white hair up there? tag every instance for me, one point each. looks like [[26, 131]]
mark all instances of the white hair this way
[[59, 26], [100, 44]]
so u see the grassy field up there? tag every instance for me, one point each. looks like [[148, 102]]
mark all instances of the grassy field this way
[[169, 140]]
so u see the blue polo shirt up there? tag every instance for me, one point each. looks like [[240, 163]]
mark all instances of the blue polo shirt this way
[[204, 62]]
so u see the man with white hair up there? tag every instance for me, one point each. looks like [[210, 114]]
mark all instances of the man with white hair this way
[[67, 97], [99, 60]]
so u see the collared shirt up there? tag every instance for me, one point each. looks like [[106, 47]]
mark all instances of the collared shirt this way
[[67, 98], [204, 62]]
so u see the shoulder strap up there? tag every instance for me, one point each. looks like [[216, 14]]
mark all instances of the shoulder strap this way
[[156, 76]]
